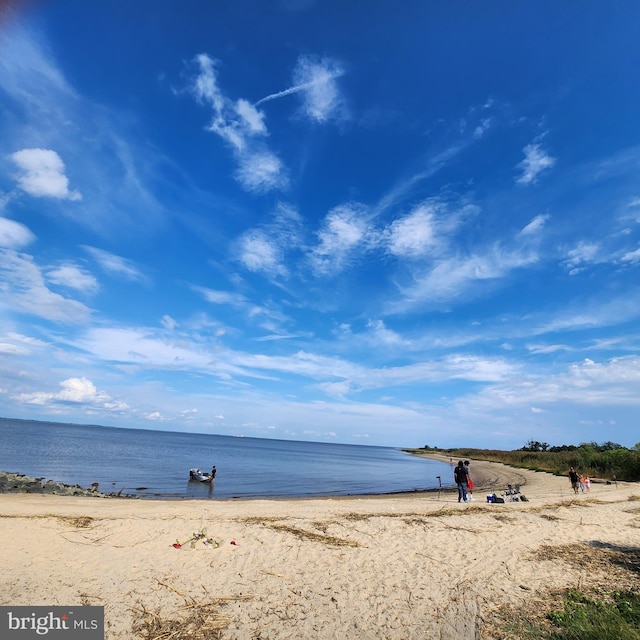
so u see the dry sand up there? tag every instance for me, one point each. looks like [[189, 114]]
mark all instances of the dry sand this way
[[398, 567]]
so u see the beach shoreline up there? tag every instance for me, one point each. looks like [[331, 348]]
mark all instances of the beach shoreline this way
[[403, 566]]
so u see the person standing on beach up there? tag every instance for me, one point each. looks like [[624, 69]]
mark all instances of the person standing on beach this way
[[583, 482], [575, 480], [470, 484], [460, 477]]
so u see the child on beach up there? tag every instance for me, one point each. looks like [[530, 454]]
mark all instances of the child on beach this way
[[470, 484], [583, 482]]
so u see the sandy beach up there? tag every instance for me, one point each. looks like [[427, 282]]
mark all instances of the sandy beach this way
[[403, 566]]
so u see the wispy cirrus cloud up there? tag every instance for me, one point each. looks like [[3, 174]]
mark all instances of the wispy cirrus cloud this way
[[582, 255], [536, 160], [591, 313], [59, 132], [535, 226], [72, 276], [455, 277], [235, 122], [632, 257], [344, 231], [222, 297], [241, 125], [116, 265], [265, 248], [426, 230], [25, 290], [261, 171], [258, 252], [415, 234], [588, 383], [14, 235]]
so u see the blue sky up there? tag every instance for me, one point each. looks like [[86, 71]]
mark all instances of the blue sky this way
[[365, 222]]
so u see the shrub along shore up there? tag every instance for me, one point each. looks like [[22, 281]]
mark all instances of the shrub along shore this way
[[607, 461]]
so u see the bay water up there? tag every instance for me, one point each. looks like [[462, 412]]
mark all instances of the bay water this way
[[155, 464]]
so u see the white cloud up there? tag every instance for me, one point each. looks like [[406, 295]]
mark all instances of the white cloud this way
[[535, 161], [222, 297], [259, 253], [74, 391], [596, 312], [454, 277], [535, 226], [380, 334], [78, 390], [315, 79], [344, 230], [584, 253], [24, 290], [482, 128], [168, 322], [115, 265], [43, 112], [8, 349], [14, 235], [261, 171], [632, 256], [586, 383], [415, 234], [71, 276], [43, 174], [252, 117], [321, 98], [263, 249], [242, 125], [239, 124]]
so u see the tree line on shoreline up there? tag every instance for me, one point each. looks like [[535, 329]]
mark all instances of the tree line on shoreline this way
[[608, 461]]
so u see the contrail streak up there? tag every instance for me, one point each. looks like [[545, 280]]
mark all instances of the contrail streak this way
[[286, 92], [299, 87]]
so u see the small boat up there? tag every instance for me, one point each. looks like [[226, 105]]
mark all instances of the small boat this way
[[197, 476]]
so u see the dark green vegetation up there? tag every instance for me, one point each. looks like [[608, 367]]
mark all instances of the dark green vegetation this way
[[607, 461], [585, 618], [613, 615]]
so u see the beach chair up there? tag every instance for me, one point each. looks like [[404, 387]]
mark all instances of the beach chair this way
[[512, 493]]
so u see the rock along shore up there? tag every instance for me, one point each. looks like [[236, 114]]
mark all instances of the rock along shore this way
[[19, 483]]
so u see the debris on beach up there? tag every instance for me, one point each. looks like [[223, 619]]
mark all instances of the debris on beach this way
[[197, 536]]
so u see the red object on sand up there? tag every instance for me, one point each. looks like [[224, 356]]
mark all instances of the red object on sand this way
[[233, 542]]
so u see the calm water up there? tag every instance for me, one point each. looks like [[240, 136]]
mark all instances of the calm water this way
[[156, 464]]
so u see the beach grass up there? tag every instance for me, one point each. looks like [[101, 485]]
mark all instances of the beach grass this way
[[590, 610], [191, 620]]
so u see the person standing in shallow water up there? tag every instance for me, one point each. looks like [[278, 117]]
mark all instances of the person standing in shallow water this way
[[460, 477]]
